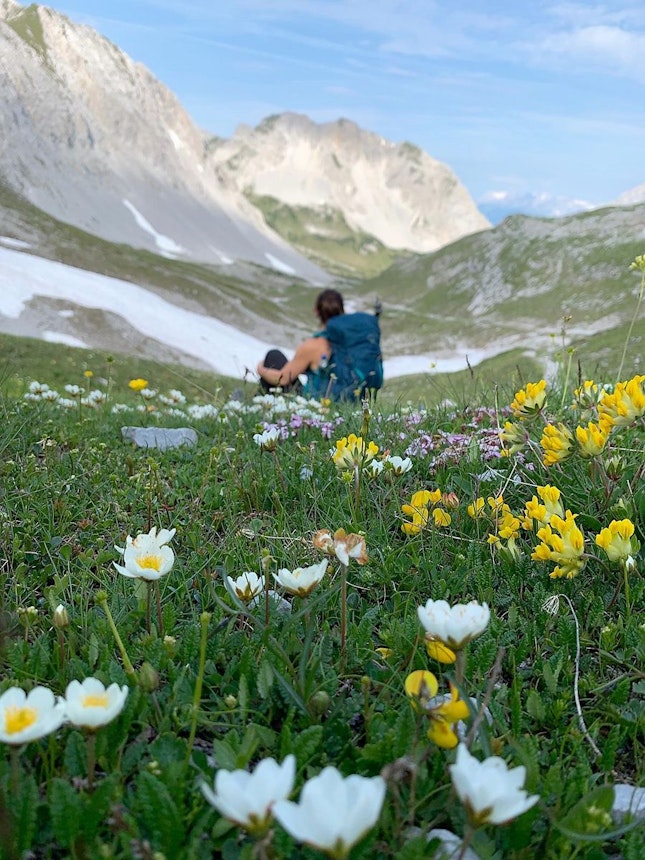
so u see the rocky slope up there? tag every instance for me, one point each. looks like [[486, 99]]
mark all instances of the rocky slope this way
[[393, 192], [92, 138]]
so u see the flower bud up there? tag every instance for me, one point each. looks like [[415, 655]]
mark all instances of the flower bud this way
[[319, 703], [148, 677], [61, 618], [230, 702]]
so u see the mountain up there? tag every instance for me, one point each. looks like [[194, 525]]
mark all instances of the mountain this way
[[497, 205], [320, 183], [528, 284], [92, 138], [634, 195]]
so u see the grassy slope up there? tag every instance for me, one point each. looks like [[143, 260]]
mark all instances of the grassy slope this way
[[526, 272]]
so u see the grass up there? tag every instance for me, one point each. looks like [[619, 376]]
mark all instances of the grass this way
[[218, 683]]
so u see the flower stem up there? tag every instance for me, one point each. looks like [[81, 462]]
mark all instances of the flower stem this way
[[343, 616], [101, 599], [465, 842], [460, 666], [204, 620], [158, 605], [631, 327], [91, 759]]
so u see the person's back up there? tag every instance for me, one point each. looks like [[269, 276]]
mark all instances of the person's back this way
[[354, 366]]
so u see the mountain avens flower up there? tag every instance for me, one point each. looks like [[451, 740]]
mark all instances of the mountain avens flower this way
[[147, 556], [302, 580], [398, 465], [89, 704], [616, 540], [490, 792], [530, 400], [454, 625], [247, 586], [248, 798], [342, 545], [333, 811], [268, 439], [26, 717]]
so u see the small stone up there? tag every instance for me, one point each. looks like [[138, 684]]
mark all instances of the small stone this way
[[159, 437], [450, 846], [629, 803]]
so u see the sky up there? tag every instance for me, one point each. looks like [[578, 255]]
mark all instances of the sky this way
[[518, 97], [226, 349]]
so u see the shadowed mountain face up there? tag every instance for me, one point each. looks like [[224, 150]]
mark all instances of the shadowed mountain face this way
[[92, 138]]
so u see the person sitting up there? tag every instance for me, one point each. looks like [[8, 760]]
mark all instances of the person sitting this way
[[276, 371]]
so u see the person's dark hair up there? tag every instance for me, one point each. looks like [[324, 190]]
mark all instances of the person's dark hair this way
[[329, 304]]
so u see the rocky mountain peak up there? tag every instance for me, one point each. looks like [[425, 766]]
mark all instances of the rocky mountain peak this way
[[393, 191]]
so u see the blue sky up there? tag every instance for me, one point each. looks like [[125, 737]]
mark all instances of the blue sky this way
[[514, 95]]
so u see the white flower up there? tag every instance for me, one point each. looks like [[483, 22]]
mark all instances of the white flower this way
[[26, 717], [302, 580], [246, 586], [399, 465], [73, 390], [247, 798], [334, 812], [374, 468], [490, 792], [267, 440], [147, 556], [454, 625], [89, 704]]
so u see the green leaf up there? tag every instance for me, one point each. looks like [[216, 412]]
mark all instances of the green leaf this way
[[65, 810], [24, 808], [264, 679], [306, 743], [160, 815], [535, 706], [591, 814], [75, 754]]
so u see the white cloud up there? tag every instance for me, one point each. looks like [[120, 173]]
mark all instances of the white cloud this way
[[612, 48]]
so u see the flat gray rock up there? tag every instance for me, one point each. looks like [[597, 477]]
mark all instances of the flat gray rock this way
[[629, 803], [450, 846], [159, 437]]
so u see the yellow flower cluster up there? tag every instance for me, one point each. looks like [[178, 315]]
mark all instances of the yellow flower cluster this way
[[617, 541], [562, 542], [422, 504], [352, 452], [624, 405], [443, 713], [530, 400], [138, 384]]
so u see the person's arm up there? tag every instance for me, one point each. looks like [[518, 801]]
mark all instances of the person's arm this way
[[307, 353]]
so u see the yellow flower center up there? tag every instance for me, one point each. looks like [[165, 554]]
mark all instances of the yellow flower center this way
[[152, 562], [18, 719], [95, 700]]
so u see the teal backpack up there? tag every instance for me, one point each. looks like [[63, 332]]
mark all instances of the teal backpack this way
[[355, 366]]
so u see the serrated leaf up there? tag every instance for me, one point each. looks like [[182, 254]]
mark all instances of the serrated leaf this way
[[65, 810], [535, 706], [161, 818], [75, 755], [264, 679], [24, 807], [306, 743]]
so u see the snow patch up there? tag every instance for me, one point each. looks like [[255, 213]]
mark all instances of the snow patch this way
[[167, 246], [279, 265], [13, 243], [67, 339]]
